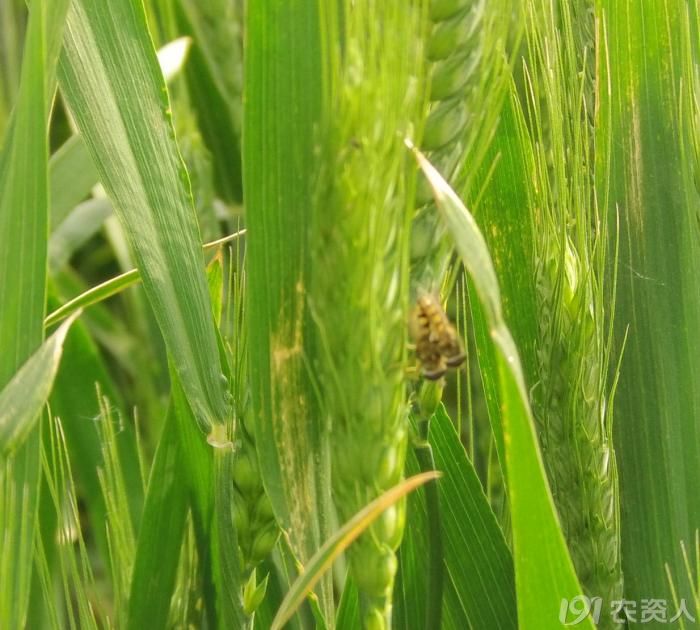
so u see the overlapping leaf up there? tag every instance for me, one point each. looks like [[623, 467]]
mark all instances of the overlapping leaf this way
[[112, 83], [544, 574]]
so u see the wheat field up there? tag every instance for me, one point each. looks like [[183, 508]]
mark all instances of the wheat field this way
[[355, 314]]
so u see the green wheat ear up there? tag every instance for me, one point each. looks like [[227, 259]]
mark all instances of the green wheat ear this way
[[467, 73], [455, 49], [359, 289], [257, 530], [573, 398]]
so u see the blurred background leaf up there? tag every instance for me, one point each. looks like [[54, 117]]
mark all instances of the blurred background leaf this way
[[23, 398], [24, 216]]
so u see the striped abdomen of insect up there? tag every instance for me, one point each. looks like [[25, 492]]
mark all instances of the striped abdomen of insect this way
[[438, 345], [451, 347], [433, 364]]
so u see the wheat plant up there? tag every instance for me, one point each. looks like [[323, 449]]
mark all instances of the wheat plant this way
[[352, 314]]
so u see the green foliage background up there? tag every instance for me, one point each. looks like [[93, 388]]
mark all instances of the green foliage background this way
[[215, 219]]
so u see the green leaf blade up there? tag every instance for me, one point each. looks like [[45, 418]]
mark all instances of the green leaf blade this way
[[24, 202], [122, 112], [279, 169], [341, 540], [23, 210], [479, 573], [22, 399], [160, 536], [544, 573], [648, 131]]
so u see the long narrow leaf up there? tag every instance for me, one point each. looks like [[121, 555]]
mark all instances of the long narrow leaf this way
[[542, 561], [479, 575], [478, 562], [113, 286], [349, 608], [282, 112], [161, 535], [341, 540], [23, 397], [647, 130], [215, 82], [112, 83], [23, 242], [505, 203]]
